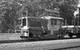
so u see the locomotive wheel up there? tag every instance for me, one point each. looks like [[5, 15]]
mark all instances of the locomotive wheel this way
[[78, 35], [70, 36], [31, 35], [24, 38]]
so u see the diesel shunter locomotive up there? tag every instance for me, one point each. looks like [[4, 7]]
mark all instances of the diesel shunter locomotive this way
[[41, 27]]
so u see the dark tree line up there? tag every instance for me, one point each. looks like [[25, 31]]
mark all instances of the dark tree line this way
[[11, 10]]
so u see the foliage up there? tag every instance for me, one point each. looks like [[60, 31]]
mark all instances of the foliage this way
[[11, 10], [67, 9], [9, 16]]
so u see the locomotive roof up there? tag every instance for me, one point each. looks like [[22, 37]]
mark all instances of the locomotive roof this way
[[44, 17], [50, 17]]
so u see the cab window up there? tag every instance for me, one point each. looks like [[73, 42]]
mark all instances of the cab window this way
[[53, 22], [24, 22]]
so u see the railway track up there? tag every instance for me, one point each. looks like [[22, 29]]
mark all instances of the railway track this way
[[72, 47], [31, 40]]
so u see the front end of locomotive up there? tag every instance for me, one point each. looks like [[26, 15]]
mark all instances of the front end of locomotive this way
[[24, 32], [24, 28]]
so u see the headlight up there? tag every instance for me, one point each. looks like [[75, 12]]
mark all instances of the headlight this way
[[26, 33]]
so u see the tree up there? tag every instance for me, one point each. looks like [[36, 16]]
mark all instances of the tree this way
[[11, 10], [67, 9], [9, 16]]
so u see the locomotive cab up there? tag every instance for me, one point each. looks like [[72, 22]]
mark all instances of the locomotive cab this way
[[53, 26]]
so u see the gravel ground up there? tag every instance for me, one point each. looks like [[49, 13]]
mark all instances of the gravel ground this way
[[9, 36], [41, 45]]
